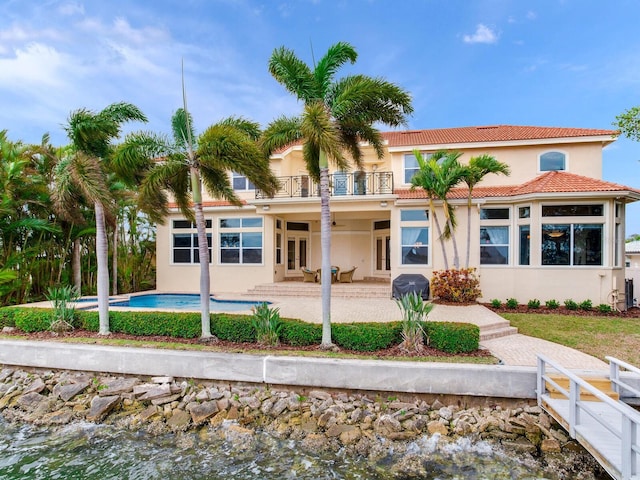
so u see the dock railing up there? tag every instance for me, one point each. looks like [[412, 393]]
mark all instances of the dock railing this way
[[617, 384], [626, 432]]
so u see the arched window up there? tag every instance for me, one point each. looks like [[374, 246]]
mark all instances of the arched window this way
[[553, 161]]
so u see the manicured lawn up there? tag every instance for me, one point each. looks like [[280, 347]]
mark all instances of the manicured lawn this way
[[597, 336]]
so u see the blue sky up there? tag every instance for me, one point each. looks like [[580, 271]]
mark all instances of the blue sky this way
[[568, 63]]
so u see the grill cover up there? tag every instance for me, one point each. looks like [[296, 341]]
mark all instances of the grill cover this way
[[410, 282]]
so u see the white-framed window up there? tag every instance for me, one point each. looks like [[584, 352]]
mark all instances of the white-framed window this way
[[572, 244], [552, 161], [279, 259], [495, 235], [241, 240], [414, 236], [184, 242], [411, 167], [241, 182], [572, 234]]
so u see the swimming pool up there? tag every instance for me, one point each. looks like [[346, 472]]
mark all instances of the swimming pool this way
[[184, 301]]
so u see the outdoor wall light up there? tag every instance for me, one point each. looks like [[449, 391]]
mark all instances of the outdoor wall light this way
[[265, 207], [383, 204]]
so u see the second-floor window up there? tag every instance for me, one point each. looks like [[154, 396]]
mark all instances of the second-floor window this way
[[241, 182], [553, 161]]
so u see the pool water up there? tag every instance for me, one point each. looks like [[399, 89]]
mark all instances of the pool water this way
[[184, 302]]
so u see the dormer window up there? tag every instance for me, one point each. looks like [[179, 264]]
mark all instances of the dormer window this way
[[553, 161]]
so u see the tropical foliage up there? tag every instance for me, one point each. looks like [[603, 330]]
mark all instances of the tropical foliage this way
[[187, 163], [337, 115], [629, 123]]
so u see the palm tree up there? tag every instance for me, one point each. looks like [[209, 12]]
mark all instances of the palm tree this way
[[472, 174], [337, 115], [181, 165], [84, 174], [437, 176]]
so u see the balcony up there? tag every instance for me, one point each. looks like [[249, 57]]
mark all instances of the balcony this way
[[340, 184]]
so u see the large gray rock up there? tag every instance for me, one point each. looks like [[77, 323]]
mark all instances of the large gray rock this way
[[202, 411], [118, 386], [68, 391], [101, 406]]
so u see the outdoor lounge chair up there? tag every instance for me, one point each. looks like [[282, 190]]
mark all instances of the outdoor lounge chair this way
[[346, 276], [309, 275]]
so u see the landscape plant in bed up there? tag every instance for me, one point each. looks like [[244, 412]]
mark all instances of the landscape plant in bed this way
[[63, 303], [414, 312], [267, 324]]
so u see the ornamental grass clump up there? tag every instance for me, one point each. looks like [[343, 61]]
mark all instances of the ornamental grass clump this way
[[63, 303], [267, 324], [414, 312]]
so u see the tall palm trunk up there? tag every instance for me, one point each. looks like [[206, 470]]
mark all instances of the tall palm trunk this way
[[114, 260], [456, 256], [103, 269], [439, 232], [203, 252], [325, 242], [76, 265], [466, 264]]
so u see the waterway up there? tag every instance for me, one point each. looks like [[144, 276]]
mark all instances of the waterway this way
[[89, 451]]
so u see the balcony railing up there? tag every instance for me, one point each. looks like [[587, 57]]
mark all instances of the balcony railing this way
[[340, 184]]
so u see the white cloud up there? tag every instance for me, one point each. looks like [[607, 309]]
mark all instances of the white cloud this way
[[531, 15], [483, 34], [35, 65], [71, 8]]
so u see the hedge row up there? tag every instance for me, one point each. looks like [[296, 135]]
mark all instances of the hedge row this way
[[446, 336]]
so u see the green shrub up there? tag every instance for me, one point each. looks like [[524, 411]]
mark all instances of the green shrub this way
[[495, 303], [233, 328], [453, 337], [570, 304], [7, 317], [511, 303], [604, 308], [300, 334], [458, 286], [552, 304], [533, 304], [166, 324], [586, 305], [31, 320], [88, 320], [267, 324], [366, 337]]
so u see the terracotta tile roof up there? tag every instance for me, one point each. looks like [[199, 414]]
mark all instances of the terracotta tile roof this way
[[549, 182], [490, 133], [482, 134], [213, 203]]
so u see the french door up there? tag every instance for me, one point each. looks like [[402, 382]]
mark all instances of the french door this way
[[383, 254], [297, 253]]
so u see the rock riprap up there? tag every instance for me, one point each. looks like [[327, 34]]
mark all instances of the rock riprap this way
[[320, 420]]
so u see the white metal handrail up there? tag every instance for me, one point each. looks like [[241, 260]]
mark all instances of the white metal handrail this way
[[630, 419], [614, 375]]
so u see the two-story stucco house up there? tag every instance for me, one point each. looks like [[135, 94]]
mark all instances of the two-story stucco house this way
[[553, 229]]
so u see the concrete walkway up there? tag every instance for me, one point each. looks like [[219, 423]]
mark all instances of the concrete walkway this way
[[514, 349]]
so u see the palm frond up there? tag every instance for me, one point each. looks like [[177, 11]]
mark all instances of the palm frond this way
[[294, 74], [318, 128], [281, 132], [337, 55], [249, 127], [182, 128], [216, 182], [138, 153]]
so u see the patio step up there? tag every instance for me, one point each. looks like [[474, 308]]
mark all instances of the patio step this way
[[497, 330], [302, 289]]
